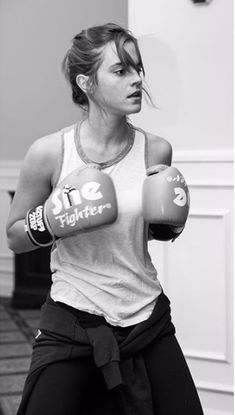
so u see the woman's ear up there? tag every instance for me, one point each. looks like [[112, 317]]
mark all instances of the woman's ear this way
[[83, 82]]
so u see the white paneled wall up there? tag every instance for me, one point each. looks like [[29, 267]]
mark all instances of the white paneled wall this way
[[187, 51], [196, 274], [9, 171]]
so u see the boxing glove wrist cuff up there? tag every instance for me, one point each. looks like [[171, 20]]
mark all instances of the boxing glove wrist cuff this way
[[162, 232], [37, 227]]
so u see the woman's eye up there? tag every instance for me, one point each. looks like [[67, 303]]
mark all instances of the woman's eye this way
[[120, 72], [123, 71]]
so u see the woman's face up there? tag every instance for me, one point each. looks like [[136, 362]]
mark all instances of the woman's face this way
[[118, 90]]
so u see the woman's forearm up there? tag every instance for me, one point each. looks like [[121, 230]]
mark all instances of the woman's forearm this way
[[17, 238]]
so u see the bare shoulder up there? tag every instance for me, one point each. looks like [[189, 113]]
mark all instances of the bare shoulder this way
[[44, 155], [45, 148], [159, 150]]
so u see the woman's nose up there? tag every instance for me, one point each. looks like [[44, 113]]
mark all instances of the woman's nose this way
[[136, 78]]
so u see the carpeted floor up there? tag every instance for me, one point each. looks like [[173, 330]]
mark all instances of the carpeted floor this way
[[17, 331]]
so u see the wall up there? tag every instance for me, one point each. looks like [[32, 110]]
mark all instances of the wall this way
[[34, 37], [188, 55]]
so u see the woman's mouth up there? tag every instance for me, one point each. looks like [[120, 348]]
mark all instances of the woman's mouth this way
[[136, 94]]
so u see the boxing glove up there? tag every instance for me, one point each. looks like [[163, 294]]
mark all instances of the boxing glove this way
[[165, 202], [84, 200]]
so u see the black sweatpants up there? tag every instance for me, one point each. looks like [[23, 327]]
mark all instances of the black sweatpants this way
[[67, 387]]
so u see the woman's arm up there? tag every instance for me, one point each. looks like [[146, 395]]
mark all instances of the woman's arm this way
[[167, 212], [159, 151], [33, 188]]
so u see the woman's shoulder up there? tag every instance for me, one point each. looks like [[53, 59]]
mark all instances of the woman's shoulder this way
[[157, 141], [50, 144], [45, 149], [45, 153], [158, 149]]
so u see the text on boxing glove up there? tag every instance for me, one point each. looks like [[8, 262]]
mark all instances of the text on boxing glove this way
[[67, 197]]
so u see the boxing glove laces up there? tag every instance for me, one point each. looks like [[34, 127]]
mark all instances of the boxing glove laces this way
[[83, 201], [166, 202]]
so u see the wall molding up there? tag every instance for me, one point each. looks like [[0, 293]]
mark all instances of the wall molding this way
[[6, 261], [6, 286], [203, 156], [222, 214], [206, 168], [207, 356], [188, 156], [9, 173], [212, 184], [10, 168], [6, 273], [6, 255], [209, 213], [215, 412], [215, 387]]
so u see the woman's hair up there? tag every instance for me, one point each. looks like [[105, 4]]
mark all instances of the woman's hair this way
[[85, 55]]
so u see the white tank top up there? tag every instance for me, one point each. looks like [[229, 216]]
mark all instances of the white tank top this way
[[108, 271]]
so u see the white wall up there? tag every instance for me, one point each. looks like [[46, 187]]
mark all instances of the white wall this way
[[188, 55]]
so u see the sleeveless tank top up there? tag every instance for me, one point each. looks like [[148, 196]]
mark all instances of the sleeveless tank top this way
[[108, 271]]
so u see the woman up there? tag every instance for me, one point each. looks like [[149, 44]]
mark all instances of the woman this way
[[106, 342]]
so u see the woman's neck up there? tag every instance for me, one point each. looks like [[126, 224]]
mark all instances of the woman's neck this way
[[104, 132], [103, 139]]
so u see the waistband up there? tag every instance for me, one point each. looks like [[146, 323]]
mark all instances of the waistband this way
[[73, 324], [87, 320]]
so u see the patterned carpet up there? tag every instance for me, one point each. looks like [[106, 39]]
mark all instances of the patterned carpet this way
[[17, 331]]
